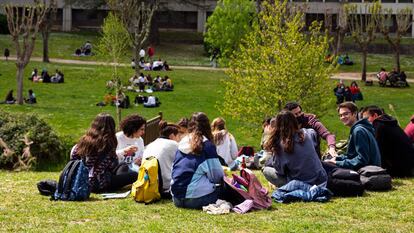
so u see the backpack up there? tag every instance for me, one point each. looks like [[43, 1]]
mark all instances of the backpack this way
[[73, 183], [246, 187], [146, 188], [345, 183], [375, 178]]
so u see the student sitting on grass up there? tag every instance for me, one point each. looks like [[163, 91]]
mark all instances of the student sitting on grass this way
[[152, 102], [294, 155], [31, 97], [164, 149], [130, 143], [97, 149], [58, 77], [9, 98], [225, 143], [197, 175]]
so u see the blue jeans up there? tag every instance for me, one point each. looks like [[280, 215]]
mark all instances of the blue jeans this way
[[197, 203]]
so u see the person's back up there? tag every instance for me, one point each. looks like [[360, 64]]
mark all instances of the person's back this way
[[303, 163], [164, 150], [397, 151]]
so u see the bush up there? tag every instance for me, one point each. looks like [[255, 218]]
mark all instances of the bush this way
[[47, 148], [3, 25]]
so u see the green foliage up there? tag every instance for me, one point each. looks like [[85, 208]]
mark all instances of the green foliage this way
[[278, 63], [229, 23], [46, 147]]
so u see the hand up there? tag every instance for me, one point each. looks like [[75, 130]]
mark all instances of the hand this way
[[138, 161], [332, 152], [333, 161], [130, 150]]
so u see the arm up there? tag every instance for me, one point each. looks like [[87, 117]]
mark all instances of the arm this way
[[233, 147], [212, 167]]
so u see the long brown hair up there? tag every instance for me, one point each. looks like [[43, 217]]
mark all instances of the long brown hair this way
[[99, 138], [283, 133], [218, 128], [199, 126]]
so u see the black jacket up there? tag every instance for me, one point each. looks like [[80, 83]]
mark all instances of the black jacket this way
[[397, 151]]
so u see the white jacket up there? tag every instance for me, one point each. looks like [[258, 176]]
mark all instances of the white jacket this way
[[228, 148]]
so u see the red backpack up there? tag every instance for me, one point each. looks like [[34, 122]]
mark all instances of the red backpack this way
[[247, 187]]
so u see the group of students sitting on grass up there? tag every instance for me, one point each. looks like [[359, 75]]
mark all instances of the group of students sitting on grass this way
[[31, 98], [393, 78], [146, 83], [192, 152], [347, 93], [44, 77]]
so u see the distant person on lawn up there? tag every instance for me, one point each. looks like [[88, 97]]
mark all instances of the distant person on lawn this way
[[397, 151], [362, 147], [97, 149]]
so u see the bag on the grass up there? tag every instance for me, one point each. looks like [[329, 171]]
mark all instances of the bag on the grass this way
[[375, 178], [345, 183], [73, 183], [341, 147], [146, 188], [246, 187], [47, 187]]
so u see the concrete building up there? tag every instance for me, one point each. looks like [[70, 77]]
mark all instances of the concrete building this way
[[183, 15]]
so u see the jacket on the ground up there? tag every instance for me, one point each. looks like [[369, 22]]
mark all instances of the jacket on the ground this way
[[297, 190], [362, 147], [397, 151], [195, 176]]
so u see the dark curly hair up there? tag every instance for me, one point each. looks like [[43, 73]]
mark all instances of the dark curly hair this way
[[131, 124]]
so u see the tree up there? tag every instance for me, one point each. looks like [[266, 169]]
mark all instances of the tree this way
[[403, 23], [46, 27], [362, 21], [113, 44], [278, 62], [337, 33], [229, 23], [24, 21], [136, 16]]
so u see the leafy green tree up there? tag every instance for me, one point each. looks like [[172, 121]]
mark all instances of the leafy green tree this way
[[229, 23], [113, 45], [278, 62]]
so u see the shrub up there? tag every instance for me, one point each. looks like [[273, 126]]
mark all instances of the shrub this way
[[47, 148]]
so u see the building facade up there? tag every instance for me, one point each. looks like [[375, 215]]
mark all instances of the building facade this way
[[191, 15]]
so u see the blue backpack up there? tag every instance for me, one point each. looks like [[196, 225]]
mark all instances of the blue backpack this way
[[73, 182]]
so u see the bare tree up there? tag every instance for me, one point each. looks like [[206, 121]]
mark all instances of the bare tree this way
[[136, 16], [46, 27], [403, 21], [362, 21], [337, 33], [24, 21]]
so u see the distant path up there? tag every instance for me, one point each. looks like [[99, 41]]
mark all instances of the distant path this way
[[344, 76]]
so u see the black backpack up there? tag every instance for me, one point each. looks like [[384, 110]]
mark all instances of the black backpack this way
[[375, 178], [345, 183]]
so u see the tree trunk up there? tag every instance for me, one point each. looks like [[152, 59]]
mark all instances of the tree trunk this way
[[397, 58], [136, 58], [364, 64], [45, 38], [339, 42], [154, 35], [19, 79]]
